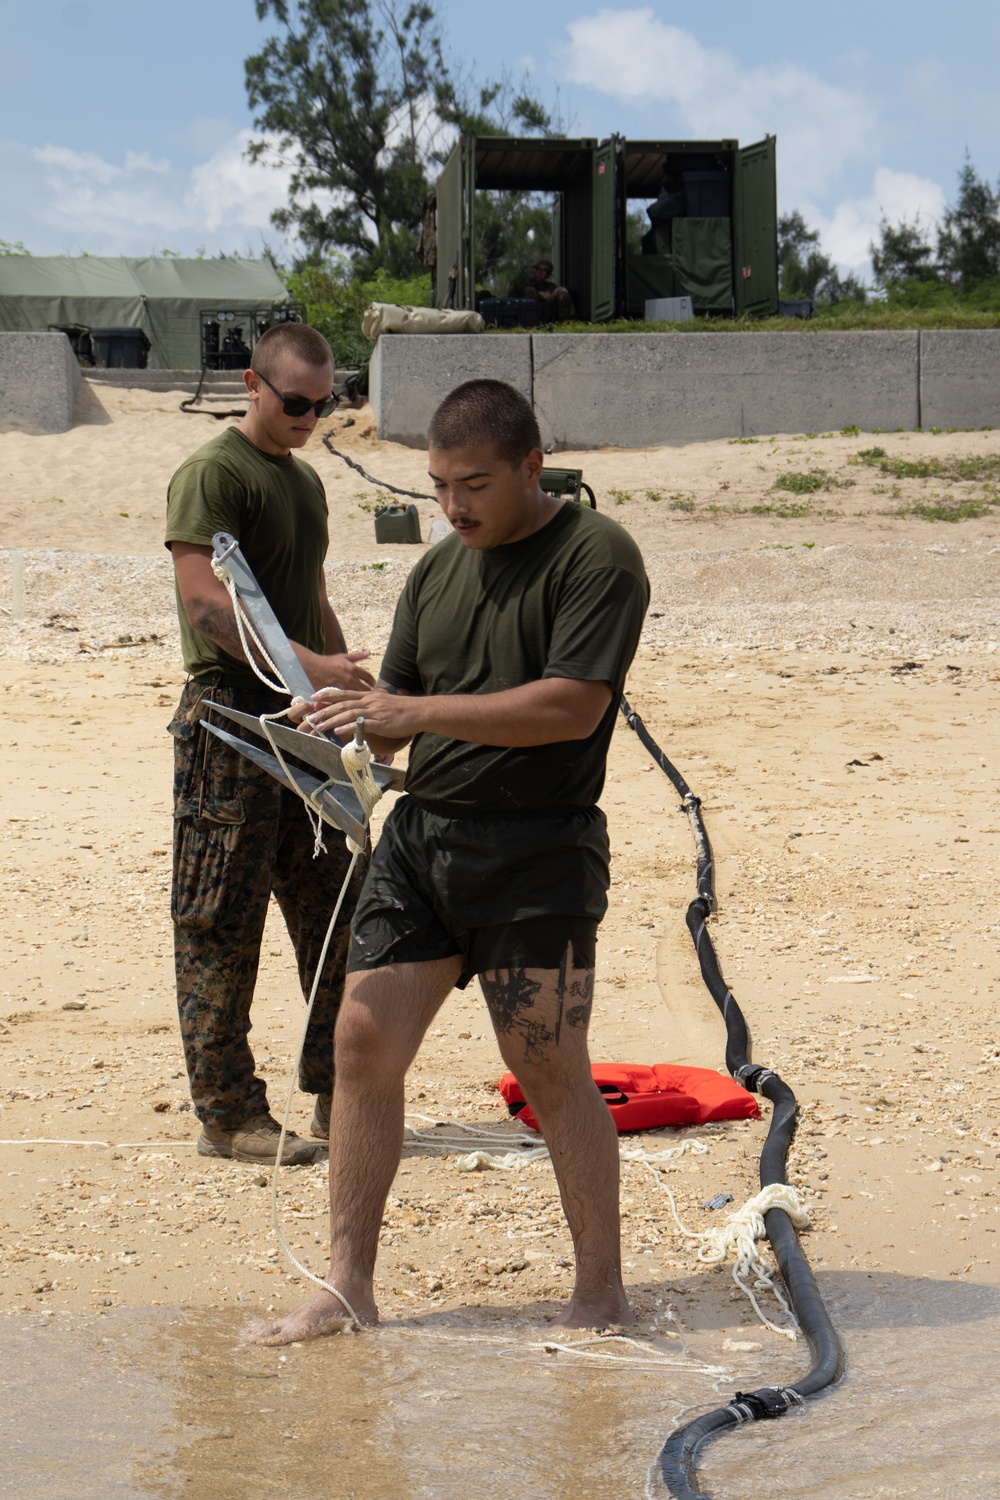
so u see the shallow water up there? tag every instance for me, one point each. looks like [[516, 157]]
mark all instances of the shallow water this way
[[159, 1404]]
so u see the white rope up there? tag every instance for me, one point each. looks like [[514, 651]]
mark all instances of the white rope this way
[[310, 800], [357, 762], [737, 1236], [244, 624], [108, 1145], [275, 1220], [483, 1157]]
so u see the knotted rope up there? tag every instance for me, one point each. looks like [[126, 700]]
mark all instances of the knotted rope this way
[[245, 624], [737, 1236]]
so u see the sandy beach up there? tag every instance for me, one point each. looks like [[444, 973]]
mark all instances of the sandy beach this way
[[820, 662]]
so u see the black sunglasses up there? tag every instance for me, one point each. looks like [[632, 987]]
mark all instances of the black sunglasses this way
[[297, 406]]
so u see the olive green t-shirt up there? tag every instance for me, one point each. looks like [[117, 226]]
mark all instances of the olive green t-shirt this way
[[276, 509], [567, 601]]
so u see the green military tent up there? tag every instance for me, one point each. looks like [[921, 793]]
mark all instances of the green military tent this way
[[163, 296]]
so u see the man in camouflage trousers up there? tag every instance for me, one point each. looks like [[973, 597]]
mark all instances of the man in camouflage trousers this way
[[239, 836]]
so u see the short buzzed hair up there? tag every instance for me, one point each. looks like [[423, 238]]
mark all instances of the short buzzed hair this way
[[297, 339], [486, 411]]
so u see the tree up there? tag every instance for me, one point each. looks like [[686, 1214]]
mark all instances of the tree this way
[[969, 236], [358, 96], [804, 268], [903, 253], [347, 91]]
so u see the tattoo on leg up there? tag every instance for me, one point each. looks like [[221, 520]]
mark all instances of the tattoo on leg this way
[[536, 1037], [508, 992], [561, 992], [582, 991]]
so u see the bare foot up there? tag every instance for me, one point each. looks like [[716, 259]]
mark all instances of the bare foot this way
[[322, 1314], [595, 1312]]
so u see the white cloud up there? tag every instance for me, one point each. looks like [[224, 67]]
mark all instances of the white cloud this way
[[62, 200], [228, 189], [633, 55], [847, 232]]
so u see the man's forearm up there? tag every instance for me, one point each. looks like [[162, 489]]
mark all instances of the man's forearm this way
[[545, 712], [521, 716]]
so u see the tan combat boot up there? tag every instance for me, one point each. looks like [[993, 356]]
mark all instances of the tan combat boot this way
[[319, 1125], [256, 1140]]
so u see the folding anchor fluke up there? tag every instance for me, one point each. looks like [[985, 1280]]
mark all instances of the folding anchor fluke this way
[[331, 795]]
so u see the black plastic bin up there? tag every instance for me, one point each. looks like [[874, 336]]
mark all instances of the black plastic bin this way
[[707, 194], [121, 348], [79, 336], [509, 312]]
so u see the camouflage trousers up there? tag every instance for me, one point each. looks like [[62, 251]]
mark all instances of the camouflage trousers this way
[[238, 838]]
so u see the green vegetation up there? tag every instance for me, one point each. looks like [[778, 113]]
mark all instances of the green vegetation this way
[[620, 496], [808, 484], [785, 512], [653, 495], [958, 510], [681, 502], [983, 468], [335, 297], [986, 467], [845, 317]]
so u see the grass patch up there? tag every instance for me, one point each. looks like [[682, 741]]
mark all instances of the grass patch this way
[[959, 510], [808, 484], [785, 510], [845, 317], [620, 496], [900, 468], [983, 469], [653, 495], [681, 502]]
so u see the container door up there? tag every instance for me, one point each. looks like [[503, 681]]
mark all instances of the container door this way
[[449, 227], [755, 221], [558, 258], [467, 264], [602, 273]]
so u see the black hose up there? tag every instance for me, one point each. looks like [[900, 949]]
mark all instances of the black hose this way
[[676, 1460], [188, 406], [381, 483]]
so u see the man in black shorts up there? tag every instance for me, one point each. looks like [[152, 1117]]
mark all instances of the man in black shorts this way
[[506, 663]]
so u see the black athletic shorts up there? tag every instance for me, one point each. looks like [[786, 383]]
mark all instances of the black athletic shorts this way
[[504, 892]]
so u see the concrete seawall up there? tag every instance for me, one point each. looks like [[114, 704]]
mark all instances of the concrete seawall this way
[[39, 379], [640, 390]]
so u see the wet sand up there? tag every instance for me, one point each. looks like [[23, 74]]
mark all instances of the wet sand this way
[[834, 709]]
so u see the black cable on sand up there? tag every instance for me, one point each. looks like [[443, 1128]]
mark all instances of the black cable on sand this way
[[383, 484], [676, 1461]]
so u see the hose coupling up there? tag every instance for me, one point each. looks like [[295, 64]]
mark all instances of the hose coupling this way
[[763, 1406]]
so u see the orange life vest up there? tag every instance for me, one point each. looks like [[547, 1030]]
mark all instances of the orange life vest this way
[[641, 1097]]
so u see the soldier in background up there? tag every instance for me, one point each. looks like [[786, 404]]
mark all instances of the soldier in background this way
[[238, 835], [555, 305]]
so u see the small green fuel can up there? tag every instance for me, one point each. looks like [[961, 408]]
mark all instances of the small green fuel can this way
[[397, 523]]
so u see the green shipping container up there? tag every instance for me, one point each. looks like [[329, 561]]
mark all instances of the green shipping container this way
[[713, 236]]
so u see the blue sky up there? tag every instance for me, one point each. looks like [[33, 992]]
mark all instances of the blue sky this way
[[123, 124]]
